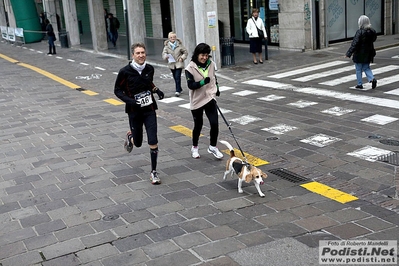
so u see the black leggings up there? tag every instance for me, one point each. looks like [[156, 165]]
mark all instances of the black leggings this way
[[212, 113]]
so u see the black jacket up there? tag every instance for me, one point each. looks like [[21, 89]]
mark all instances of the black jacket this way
[[362, 47], [129, 83]]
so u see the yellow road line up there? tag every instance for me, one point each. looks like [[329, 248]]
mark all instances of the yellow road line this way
[[8, 58], [251, 159], [329, 192], [255, 161], [90, 93], [184, 130], [51, 76], [113, 101]]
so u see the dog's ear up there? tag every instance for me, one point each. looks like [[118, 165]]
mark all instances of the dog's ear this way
[[264, 175], [248, 178]]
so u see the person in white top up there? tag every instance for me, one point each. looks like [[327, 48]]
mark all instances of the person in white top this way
[[254, 26]]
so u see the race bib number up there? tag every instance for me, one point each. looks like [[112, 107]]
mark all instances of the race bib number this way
[[143, 98]]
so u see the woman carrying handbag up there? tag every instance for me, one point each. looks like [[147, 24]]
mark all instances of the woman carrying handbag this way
[[257, 33]]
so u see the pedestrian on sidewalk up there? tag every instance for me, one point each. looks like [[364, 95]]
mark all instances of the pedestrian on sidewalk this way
[[363, 52], [257, 34], [175, 53], [51, 37], [134, 85], [203, 85], [113, 27]]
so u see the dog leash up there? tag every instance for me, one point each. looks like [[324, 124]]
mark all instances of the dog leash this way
[[228, 125]]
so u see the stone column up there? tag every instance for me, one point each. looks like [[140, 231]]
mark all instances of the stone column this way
[[3, 21], [205, 33], [184, 11], [136, 21], [11, 18], [50, 8], [97, 25], [71, 21]]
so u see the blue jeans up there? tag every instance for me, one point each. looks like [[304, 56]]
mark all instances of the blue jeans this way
[[113, 36], [177, 77], [363, 67]]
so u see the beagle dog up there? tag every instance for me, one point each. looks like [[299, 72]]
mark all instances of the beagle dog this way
[[244, 171]]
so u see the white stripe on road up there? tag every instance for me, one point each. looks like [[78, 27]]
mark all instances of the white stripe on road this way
[[352, 77], [327, 93], [307, 69], [99, 68], [325, 74]]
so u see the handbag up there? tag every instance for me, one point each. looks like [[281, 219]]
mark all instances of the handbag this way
[[260, 32]]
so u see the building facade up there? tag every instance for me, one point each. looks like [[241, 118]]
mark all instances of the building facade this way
[[294, 24]]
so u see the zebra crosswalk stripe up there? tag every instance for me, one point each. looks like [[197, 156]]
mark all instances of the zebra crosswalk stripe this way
[[352, 77], [307, 69]]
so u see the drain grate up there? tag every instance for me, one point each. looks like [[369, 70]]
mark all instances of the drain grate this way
[[392, 158], [288, 175], [390, 142]]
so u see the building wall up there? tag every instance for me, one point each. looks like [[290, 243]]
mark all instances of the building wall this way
[[292, 22]]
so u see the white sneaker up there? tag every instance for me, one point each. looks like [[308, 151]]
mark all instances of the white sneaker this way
[[215, 151], [194, 152], [177, 94], [154, 178]]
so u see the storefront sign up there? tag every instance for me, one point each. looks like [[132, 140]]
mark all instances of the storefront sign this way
[[273, 4]]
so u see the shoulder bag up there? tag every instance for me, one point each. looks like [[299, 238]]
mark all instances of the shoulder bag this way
[[260, 32]]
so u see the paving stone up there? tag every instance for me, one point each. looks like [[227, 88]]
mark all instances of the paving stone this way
[[284, 204], [96, 253], [218, 248], [347, 215], [12, 249], [388, 234], [194, 202], [103, 225], [28, 258], [316, 223], [70, 260], [328, 206], [254, 211], [134, 257], [222, 261], [201, 211], [74, 232], [62, 248], [134, 228], [132, 242], [195, 225], [136, 216], [312, 239], [191, 240], [98, 239], [306, 211], [160, 249], [254, 238], [225, 218], [377, 211], [219, 232], [167, 208], [17, 235], [168, 219], [375, 224], [348, 230], [182, 258], [49, 227], [7, 207], [285, 229], [165, 233], [233, 204], [40, 241], [276, 218], [147, 203], [73, 217]]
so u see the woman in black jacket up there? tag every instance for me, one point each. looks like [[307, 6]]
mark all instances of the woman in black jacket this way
[[51, 37], [362, 49]]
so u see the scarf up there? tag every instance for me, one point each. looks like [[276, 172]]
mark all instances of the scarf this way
[[138, 67], [173, 45]]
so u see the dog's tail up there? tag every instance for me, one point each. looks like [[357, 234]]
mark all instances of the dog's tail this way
[[231, 149]]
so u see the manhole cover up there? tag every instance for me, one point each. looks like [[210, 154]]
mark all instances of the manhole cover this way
[[272, 138], [392, 158], [110, 217], [390, 142], [288, 175], [374, 137]]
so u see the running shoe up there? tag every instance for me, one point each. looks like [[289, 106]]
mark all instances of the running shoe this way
[[154, 178], [215, 151], [128, 145]]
